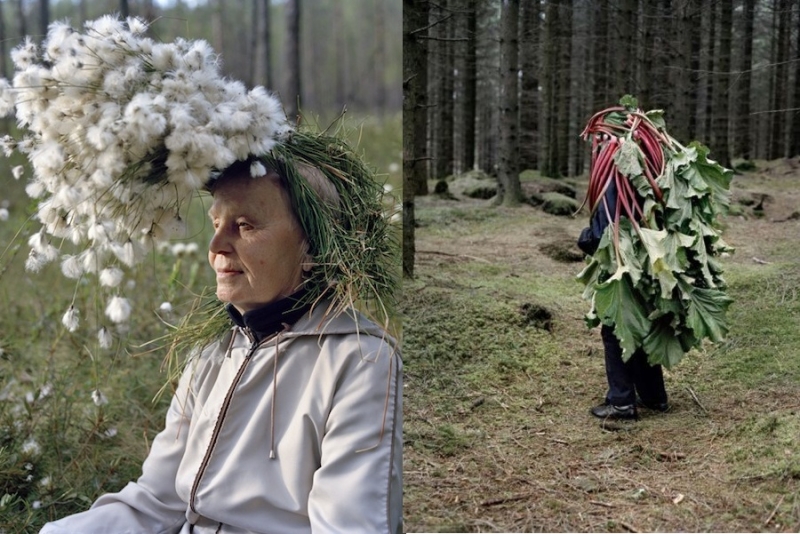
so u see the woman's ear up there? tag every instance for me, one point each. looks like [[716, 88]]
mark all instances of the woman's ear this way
[[307, 262]]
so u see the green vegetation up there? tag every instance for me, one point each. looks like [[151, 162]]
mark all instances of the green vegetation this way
[[498, 434]]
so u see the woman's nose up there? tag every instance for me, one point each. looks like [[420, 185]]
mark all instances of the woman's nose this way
[[220, 244]]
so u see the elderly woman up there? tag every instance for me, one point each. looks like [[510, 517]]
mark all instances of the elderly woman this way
[[291, 420]]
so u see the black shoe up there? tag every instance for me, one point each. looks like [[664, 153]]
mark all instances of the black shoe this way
[[662, 407], [610, 411]]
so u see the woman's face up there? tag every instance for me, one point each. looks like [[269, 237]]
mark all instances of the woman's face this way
[[258, 248]]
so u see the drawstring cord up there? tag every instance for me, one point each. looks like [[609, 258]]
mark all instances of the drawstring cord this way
[[274, 400], [230, 342], [274, 393]]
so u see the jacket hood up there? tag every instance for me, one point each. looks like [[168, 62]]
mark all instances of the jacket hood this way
[[325, 318]]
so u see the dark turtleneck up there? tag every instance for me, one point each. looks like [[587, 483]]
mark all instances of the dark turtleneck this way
[[269, 319]]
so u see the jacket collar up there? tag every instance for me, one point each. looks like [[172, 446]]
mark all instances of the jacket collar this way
[[318, 318], [271, 318]]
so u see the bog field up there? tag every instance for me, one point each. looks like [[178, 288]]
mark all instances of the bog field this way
[[77, 418]]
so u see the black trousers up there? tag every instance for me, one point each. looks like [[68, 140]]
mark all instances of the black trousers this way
[[626, 379]]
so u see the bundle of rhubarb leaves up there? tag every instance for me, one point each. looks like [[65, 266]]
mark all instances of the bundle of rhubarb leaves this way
[[654, 277]]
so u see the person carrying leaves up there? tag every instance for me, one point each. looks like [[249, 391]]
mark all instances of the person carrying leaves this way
[[651, 275]]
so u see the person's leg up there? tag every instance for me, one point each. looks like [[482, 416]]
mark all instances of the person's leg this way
[[649, 382], [621, 396], [621, 385]]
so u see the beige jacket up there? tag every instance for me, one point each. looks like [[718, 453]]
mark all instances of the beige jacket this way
[[300, 433]]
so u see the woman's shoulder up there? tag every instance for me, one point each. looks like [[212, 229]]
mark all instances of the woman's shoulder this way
[[328, 321], [346, 335]]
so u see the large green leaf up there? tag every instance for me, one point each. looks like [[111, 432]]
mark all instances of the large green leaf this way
[[696, 183], [669, 306], [656, 116], [627, 251], [706, 312], [677, 194], [618, 305], [662, 346], [628, 158], [662, 251], [588, 276], [715, 175]]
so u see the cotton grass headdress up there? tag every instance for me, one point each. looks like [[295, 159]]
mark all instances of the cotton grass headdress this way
[[122, 131]]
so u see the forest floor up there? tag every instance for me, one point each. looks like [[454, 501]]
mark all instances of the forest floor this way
[[498, 435]]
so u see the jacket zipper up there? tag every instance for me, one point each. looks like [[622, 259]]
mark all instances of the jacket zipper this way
[[221, 418]]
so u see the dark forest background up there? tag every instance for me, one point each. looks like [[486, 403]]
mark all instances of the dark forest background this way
[[507, 85], [324, 54]]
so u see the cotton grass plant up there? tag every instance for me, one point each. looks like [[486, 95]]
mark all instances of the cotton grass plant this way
[[121, 132]]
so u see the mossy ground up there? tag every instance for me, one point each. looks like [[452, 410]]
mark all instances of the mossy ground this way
[[498, 437]]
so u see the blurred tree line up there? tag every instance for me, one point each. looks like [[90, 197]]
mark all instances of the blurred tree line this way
[[507, 85], [323, 54]]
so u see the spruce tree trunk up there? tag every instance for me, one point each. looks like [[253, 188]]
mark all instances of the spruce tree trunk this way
[[600, 66], [529, 32], [563, 86], [44, 17], [379, 58], [149, 11], [254, 45], [419, 23], [693, 102], [549, 158], [468, 114], [265, 37], [3, 59], [648, 54], [434, 67], [293, 81], [743, 123], [509, 191], [21, 26], [679, 118], [661, 47], [342, 73], [444, 155], [780, 100], [721, 105], [217, 25], [415, 19], [794, 138], [487, 62], [624, 79], [710, 7]]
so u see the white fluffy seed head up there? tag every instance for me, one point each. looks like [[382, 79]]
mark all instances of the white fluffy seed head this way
[[71, 318], [111, 276], [118, 309], [104, 338], [257, 169], [72, 266], [99, 398]]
